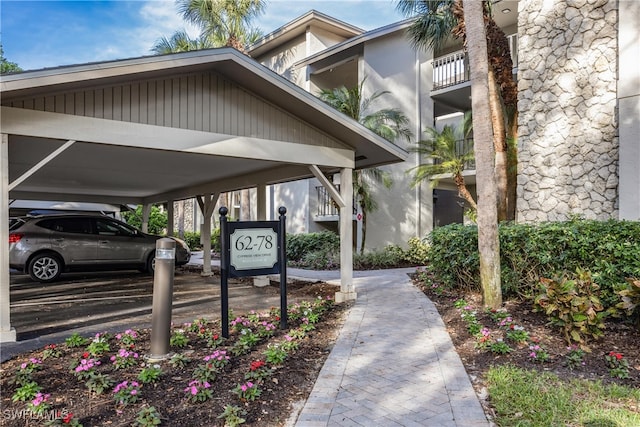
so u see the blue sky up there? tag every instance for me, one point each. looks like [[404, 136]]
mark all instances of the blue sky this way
[[49, 33]]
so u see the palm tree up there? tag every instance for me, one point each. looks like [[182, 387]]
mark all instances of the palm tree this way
[[488, 242], [447, 159], [224, 22], [389, 123], [438, 20], [221, 23], [179, 42]]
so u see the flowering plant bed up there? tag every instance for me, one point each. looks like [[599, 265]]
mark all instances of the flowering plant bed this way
[[107, 379], [518, 336]]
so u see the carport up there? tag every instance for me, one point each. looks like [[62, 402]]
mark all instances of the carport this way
[[164, 128]]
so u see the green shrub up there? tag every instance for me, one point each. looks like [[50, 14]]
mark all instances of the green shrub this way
[[417, 252], [630, 304], [573, 305], [610, 250], [319, 260], [299, 245], [193, 240], [453, 256], [321, 251], [389, 257], [157, 219]]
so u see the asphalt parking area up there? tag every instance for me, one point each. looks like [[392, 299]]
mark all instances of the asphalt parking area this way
[[114, 300]]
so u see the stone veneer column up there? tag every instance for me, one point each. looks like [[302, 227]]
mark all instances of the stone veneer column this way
[[568, 142]]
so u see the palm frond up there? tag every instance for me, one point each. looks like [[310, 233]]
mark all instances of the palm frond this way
[[179, 42], [443, 149], [434, 21], [223, 22]]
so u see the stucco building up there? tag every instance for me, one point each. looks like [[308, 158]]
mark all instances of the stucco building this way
[[579, 110]]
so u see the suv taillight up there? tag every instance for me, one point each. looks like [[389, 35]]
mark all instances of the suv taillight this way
[[15, 237]]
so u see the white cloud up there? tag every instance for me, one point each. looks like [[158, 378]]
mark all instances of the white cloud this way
[[149, 21], [160, 18]]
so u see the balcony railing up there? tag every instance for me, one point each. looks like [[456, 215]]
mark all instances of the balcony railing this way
[[453, 69], [450, 70], [326, 205], [464, 147]]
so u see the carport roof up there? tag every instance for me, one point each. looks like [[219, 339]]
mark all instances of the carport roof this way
[[119, 160]]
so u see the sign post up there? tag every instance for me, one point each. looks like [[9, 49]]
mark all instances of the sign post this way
[[252, 248]]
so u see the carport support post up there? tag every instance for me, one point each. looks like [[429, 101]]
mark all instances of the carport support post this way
[[261, 199], [7, 333], [207, 206], [347, 292], [162, 298]]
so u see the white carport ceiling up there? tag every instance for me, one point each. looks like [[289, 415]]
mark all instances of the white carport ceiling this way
[[117, 160]]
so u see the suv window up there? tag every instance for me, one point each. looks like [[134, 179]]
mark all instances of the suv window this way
[[15, 223], [67, 225], [112, 228]]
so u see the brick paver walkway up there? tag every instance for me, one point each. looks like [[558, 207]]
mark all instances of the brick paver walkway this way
[[393, 365]]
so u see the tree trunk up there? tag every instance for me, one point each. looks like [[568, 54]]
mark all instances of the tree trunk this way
[[364, 230], [512, 162], [464, 192], [245, 205], [501, 63], [181, 219], [488, 243], [499, 145]]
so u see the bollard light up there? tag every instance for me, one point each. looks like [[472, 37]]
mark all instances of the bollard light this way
[[166, 253], [162, 298]]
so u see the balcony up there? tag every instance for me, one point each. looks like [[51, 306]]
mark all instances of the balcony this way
[[450, 70], [327, 209], [453, 69]]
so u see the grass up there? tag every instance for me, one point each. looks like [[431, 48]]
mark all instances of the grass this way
[[528, 398]]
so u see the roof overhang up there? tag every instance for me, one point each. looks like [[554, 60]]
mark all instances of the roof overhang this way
[[123, 162], [353, 43], [298, 27]]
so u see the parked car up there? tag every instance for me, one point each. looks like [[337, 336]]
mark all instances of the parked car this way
[[47, 245]]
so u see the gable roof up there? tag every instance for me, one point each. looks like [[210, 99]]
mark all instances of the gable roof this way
[[355, 41], [202, 159], [298, 27]]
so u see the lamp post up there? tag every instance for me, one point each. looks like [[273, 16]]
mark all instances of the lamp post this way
[[162, 298]]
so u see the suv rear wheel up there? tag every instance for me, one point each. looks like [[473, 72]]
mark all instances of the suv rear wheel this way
[[151, 263], [45, 267]]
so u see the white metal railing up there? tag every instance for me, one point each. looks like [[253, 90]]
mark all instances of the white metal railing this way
[[453, 69], [513, 49], [450, 70]]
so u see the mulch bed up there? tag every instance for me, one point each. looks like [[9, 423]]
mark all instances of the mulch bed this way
[[282, 394]]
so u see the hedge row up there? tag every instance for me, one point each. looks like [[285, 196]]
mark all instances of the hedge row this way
[[193, 240], [610, 250]]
